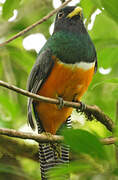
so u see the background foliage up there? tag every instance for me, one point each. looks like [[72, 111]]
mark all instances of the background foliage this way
[[97, 162]]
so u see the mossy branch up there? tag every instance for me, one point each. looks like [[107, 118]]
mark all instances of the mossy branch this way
[[17, 147], [24, 149], [43, 138]]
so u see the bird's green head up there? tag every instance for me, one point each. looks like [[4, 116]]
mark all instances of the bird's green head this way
[[69, 18]]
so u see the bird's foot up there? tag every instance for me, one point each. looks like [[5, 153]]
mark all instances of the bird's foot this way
[[57, 150], [81, 108], [61, 103], [47, 134]]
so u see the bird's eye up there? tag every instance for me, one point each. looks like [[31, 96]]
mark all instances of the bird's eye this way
[[60, 15]]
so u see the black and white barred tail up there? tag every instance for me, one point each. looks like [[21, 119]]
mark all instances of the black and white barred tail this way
[[53, 154]]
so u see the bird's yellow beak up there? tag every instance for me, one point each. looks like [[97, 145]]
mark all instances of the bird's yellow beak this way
[[76, 11]]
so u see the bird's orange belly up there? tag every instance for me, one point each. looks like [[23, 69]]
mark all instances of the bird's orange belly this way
[[66, 81]]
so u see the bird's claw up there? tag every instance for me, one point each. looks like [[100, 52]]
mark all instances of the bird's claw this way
[[61, 102], [81, 108], [47, 134]]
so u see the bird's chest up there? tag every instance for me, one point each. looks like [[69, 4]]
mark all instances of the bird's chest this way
[[68, 81]]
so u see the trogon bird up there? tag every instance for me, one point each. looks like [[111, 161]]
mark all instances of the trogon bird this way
[[64, 69]]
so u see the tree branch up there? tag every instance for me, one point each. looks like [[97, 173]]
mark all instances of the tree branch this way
[[109, 140], [15, 147], [100, 116], [40, 138], [43, 138], [116, 124], [37, 97], [94, 110], [35, 24]]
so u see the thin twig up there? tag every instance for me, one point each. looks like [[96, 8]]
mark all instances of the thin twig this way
[[43, 138], [35, 24], [94, 110], [37, 97]]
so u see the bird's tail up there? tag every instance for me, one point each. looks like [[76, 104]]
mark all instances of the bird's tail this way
[[53, 154]]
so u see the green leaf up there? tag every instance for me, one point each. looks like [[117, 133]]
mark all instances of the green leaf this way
[[115, 171], [74, 167], [105, 36], [112, 80], [104, 28], [97, 3], [9, 111], [111, 7], [8, 8], [87, 9], [106, 43], [22, 57], [11, 170], [82, 141]]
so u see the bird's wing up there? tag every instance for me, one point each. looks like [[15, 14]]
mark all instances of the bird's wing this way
[[39, 73], [96, 64]]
